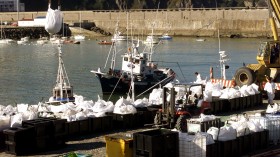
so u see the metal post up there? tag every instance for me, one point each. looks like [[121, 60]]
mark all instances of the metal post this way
[[17, 10]]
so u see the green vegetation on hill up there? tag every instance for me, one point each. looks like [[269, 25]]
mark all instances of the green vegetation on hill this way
[[68, 5]]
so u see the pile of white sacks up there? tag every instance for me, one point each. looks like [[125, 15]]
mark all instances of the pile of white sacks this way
[[239, 126], [216, 90], [211, 90], [12, 116]]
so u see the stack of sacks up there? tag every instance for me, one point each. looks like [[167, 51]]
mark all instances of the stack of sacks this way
[[124, 106], [224, 133], [101, 107], [217, 90], [249, 90], [230, 93], [141, 103], [272, 108], [5, 113], [155, 97]]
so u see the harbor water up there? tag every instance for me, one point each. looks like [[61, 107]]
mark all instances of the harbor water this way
[[28, 72]]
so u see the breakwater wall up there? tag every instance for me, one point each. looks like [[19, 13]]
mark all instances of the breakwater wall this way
[[201, 22]]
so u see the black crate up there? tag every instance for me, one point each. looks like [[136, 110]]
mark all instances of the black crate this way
[[232, 103], [156, 143], [197, 126], [216, 106], [243, 102], [73, 128], [20, 140], [59, 126], [248, 101], [264, 139], [59, 141], [13, 148], [42, 127], [212, 150], [44, 143], [95, 124], [225, 105], [238, 106], [2, 140], [124, 121], [20, 135], [228, 148], [84, 126], [107, 123]]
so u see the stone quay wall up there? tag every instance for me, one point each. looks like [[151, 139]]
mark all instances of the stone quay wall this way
[[201, 22]]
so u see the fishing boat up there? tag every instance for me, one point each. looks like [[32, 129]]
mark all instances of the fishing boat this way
[[104, 42], [62, 91], [147, 75]]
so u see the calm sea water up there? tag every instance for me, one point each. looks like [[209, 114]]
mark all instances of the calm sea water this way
[[28, 72]]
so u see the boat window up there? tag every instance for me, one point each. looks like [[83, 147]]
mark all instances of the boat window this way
[[136, 61], [125, 59], [68, 91]]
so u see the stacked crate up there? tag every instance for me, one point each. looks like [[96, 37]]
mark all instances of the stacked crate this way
[[20, 140], [50, 133], [156, 143]]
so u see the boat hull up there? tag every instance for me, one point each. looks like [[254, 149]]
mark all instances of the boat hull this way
[[116, 85]]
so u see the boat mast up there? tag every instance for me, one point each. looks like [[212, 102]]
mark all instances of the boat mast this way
[[62, 78]]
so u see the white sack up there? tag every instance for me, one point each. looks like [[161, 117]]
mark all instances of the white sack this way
[[16, 120], [53, 21], [22, 107]]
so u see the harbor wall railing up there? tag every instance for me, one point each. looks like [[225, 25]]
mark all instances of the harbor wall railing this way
[[244, 22]]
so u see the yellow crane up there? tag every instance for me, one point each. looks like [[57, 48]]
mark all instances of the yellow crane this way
[[267, 57]]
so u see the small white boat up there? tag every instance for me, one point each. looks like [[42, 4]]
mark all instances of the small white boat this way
[[151, 40], [118, 37], [200, 39], [79, 37]]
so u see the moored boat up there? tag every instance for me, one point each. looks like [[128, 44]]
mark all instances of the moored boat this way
[[165, 37], [104, 42], [145, 72], [62, 91]]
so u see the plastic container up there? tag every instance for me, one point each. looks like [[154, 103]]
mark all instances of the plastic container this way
[[196, 126], [156, 143], [119, 145]]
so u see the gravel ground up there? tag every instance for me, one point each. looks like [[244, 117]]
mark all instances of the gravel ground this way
[[95, 144]]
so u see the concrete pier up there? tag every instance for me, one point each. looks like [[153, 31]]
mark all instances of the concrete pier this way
[[239, 22]]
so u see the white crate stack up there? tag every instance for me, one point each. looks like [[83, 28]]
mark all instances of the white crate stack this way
[[272, 124], [192, 145]]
